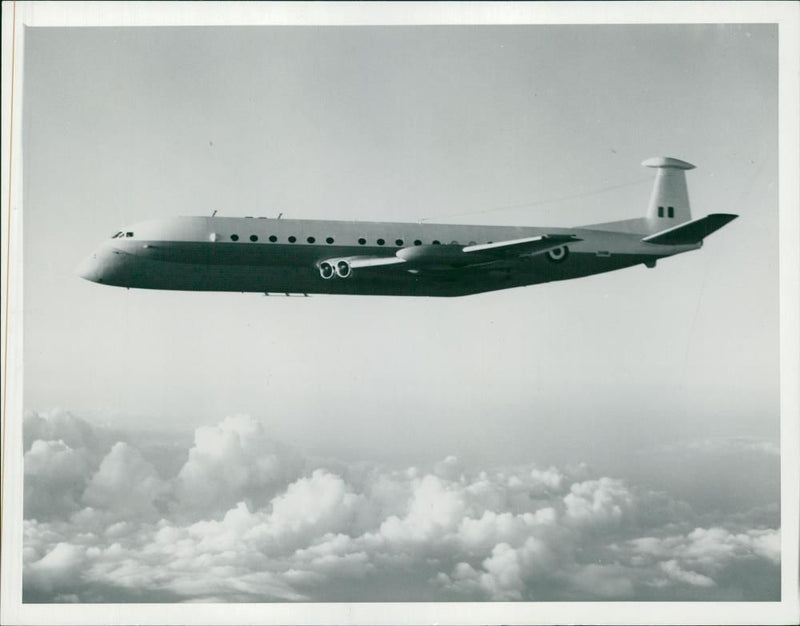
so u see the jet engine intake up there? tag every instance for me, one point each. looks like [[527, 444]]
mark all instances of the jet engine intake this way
[[326, 270], [335, 268], [343, 269]]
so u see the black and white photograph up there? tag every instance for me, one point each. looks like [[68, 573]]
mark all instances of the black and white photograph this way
[[400, 313]]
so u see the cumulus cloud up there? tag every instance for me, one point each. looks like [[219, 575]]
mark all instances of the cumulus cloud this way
[[231, 461], [434, 508], [125, 483], [246, 519], [711, 548], [60, 568], [59, 425], [597, 502], [55, 476]]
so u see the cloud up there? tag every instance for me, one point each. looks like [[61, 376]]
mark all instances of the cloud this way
[[59, 425], [597, 502], [55, 477], [508, 569], [674, 571], [319, 503], [231, 461], [246, 519], [60, 569], [605, 582], [712, 548], [436, 506], [478, 535], [125, 483], [701, 556], [724, 445]]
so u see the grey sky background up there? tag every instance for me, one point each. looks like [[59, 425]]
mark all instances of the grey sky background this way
[[665, 378], [400, 124]]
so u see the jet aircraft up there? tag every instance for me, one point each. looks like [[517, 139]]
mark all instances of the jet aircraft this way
[[250, 254]]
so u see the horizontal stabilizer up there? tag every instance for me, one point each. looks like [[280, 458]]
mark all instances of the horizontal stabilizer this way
[[691, 232]]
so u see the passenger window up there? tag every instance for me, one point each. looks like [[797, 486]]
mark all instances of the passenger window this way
[[273, 238], [417, 242], [399, 242], [661, 211], [310, 240], [329, 240], [253, 237], [234, 237], [362, 241], [436, 242], [381, 242], [292, 238], [671, 211]]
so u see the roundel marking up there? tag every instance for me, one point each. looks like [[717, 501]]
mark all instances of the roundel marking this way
[[558, 255]]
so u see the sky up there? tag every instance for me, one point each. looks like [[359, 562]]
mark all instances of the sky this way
[[509, 430]]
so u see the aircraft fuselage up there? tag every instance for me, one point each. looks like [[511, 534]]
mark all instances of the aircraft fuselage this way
[[283, 256]]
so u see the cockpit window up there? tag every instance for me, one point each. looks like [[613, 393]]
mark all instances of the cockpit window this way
[[117, 235], [129, 234]]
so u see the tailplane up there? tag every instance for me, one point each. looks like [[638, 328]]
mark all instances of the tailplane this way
[[690, 233], [669, 202]]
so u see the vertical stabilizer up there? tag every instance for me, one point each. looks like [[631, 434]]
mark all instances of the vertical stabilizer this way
[[669, 203]]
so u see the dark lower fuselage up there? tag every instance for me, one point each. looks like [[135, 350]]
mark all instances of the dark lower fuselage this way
[[283, 256]]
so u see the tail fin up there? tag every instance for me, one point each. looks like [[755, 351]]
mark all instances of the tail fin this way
[[669, 202]]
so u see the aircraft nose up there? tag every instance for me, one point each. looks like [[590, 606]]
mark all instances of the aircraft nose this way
[[106, 265], [90, 269]]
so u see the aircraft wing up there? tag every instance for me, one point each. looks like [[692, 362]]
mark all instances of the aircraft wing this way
[[454, 255], [449, 256], [526, 245], [691, 232]]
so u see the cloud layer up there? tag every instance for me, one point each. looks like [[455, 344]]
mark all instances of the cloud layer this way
[[242, 518]]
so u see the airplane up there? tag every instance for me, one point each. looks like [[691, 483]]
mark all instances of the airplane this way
[[288, 256]]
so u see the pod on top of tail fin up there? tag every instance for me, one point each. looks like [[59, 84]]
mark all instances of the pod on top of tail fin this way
[[668, 162]]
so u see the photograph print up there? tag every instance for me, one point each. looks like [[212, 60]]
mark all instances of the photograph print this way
[[401, 313]]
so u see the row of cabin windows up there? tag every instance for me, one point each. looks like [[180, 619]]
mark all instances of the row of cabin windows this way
[[329, 240], [670, 211], [361, 240]]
